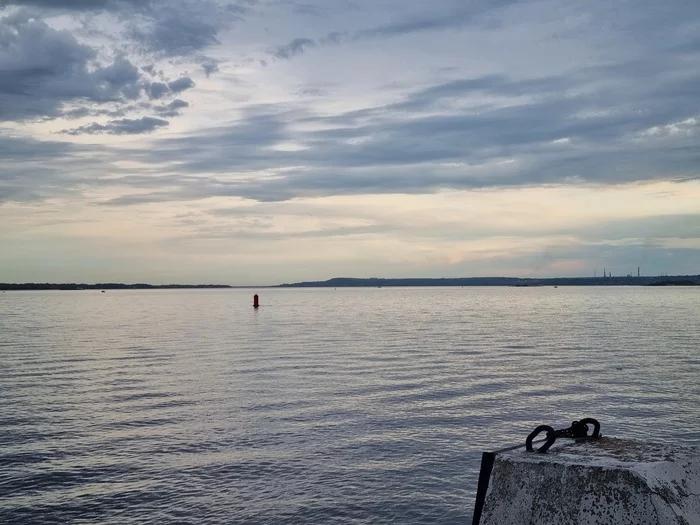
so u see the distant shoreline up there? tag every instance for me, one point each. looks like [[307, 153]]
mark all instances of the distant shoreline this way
[[352, 282], [105, 286], [665, 280]]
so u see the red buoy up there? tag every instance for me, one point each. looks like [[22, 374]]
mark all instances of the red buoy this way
[[256, 301]]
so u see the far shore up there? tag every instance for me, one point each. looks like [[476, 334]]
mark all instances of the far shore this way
[[376, 282]]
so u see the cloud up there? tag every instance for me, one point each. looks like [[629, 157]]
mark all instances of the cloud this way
[[293, 48], [35, 170], [120, 127], [440, 17], [299, 46], [183, 27], [172, 109], [335, 37], [643, 229], [627, 119], [565, 114], [168, 28], [46, 73], [210, 67], [181, 84], [550, 130], [158, 90], [434, 20], [78, 5]]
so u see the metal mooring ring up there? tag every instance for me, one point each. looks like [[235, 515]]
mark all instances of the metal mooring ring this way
[[551, 438], [596, 426]]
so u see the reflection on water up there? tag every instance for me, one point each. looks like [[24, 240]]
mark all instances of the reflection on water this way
[[348, 405]]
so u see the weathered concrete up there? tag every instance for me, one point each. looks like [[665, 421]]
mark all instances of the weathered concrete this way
[[596, 482]]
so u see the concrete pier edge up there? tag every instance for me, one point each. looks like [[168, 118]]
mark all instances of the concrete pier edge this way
[[590, 481]]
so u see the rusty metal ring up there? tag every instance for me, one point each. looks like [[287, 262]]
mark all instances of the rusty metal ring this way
[[551, 438], [596, 426]]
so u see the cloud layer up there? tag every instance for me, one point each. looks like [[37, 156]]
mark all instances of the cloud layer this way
[[119, 105], [54, 63]]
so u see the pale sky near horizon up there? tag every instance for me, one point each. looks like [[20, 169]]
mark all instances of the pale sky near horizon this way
[[259, 142]]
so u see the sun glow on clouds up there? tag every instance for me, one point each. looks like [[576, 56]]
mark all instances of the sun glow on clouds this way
[[455, 231]]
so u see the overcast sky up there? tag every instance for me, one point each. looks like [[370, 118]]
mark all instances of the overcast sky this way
[[269, 141]]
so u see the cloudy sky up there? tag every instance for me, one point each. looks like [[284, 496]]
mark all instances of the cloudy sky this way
[[267, 141]]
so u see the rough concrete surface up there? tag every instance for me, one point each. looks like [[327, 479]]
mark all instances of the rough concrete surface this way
[[595, 482]]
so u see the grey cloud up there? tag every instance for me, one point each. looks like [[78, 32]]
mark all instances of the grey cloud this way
[[119, 79], [115, 111], [20, 149], [293, 48], [73, 4], [175, 35], [172, 109], [48, 74], [429, 23], [34, 170], [131, 200], [165, 27], [120, 127], [583, 127], [491, 85], [183, 27], [686, 226], [457, 15], [336, 37], [303, 8], [299, 46], [42, 69], [210, 67], [158, 90], [181, 84], [561, 130]]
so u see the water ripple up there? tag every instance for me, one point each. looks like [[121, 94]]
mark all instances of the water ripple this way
[[346, 406]]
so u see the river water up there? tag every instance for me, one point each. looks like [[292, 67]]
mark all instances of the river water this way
[[368, 405]]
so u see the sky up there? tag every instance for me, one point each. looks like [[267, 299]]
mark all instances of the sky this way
[[256, 142]]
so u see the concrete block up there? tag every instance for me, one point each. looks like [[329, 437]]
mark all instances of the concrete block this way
[[605, 481]]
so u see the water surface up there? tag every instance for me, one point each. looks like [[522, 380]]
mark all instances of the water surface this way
[[341, 406]]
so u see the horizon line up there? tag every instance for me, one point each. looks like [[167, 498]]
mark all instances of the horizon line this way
[[373, 279]]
